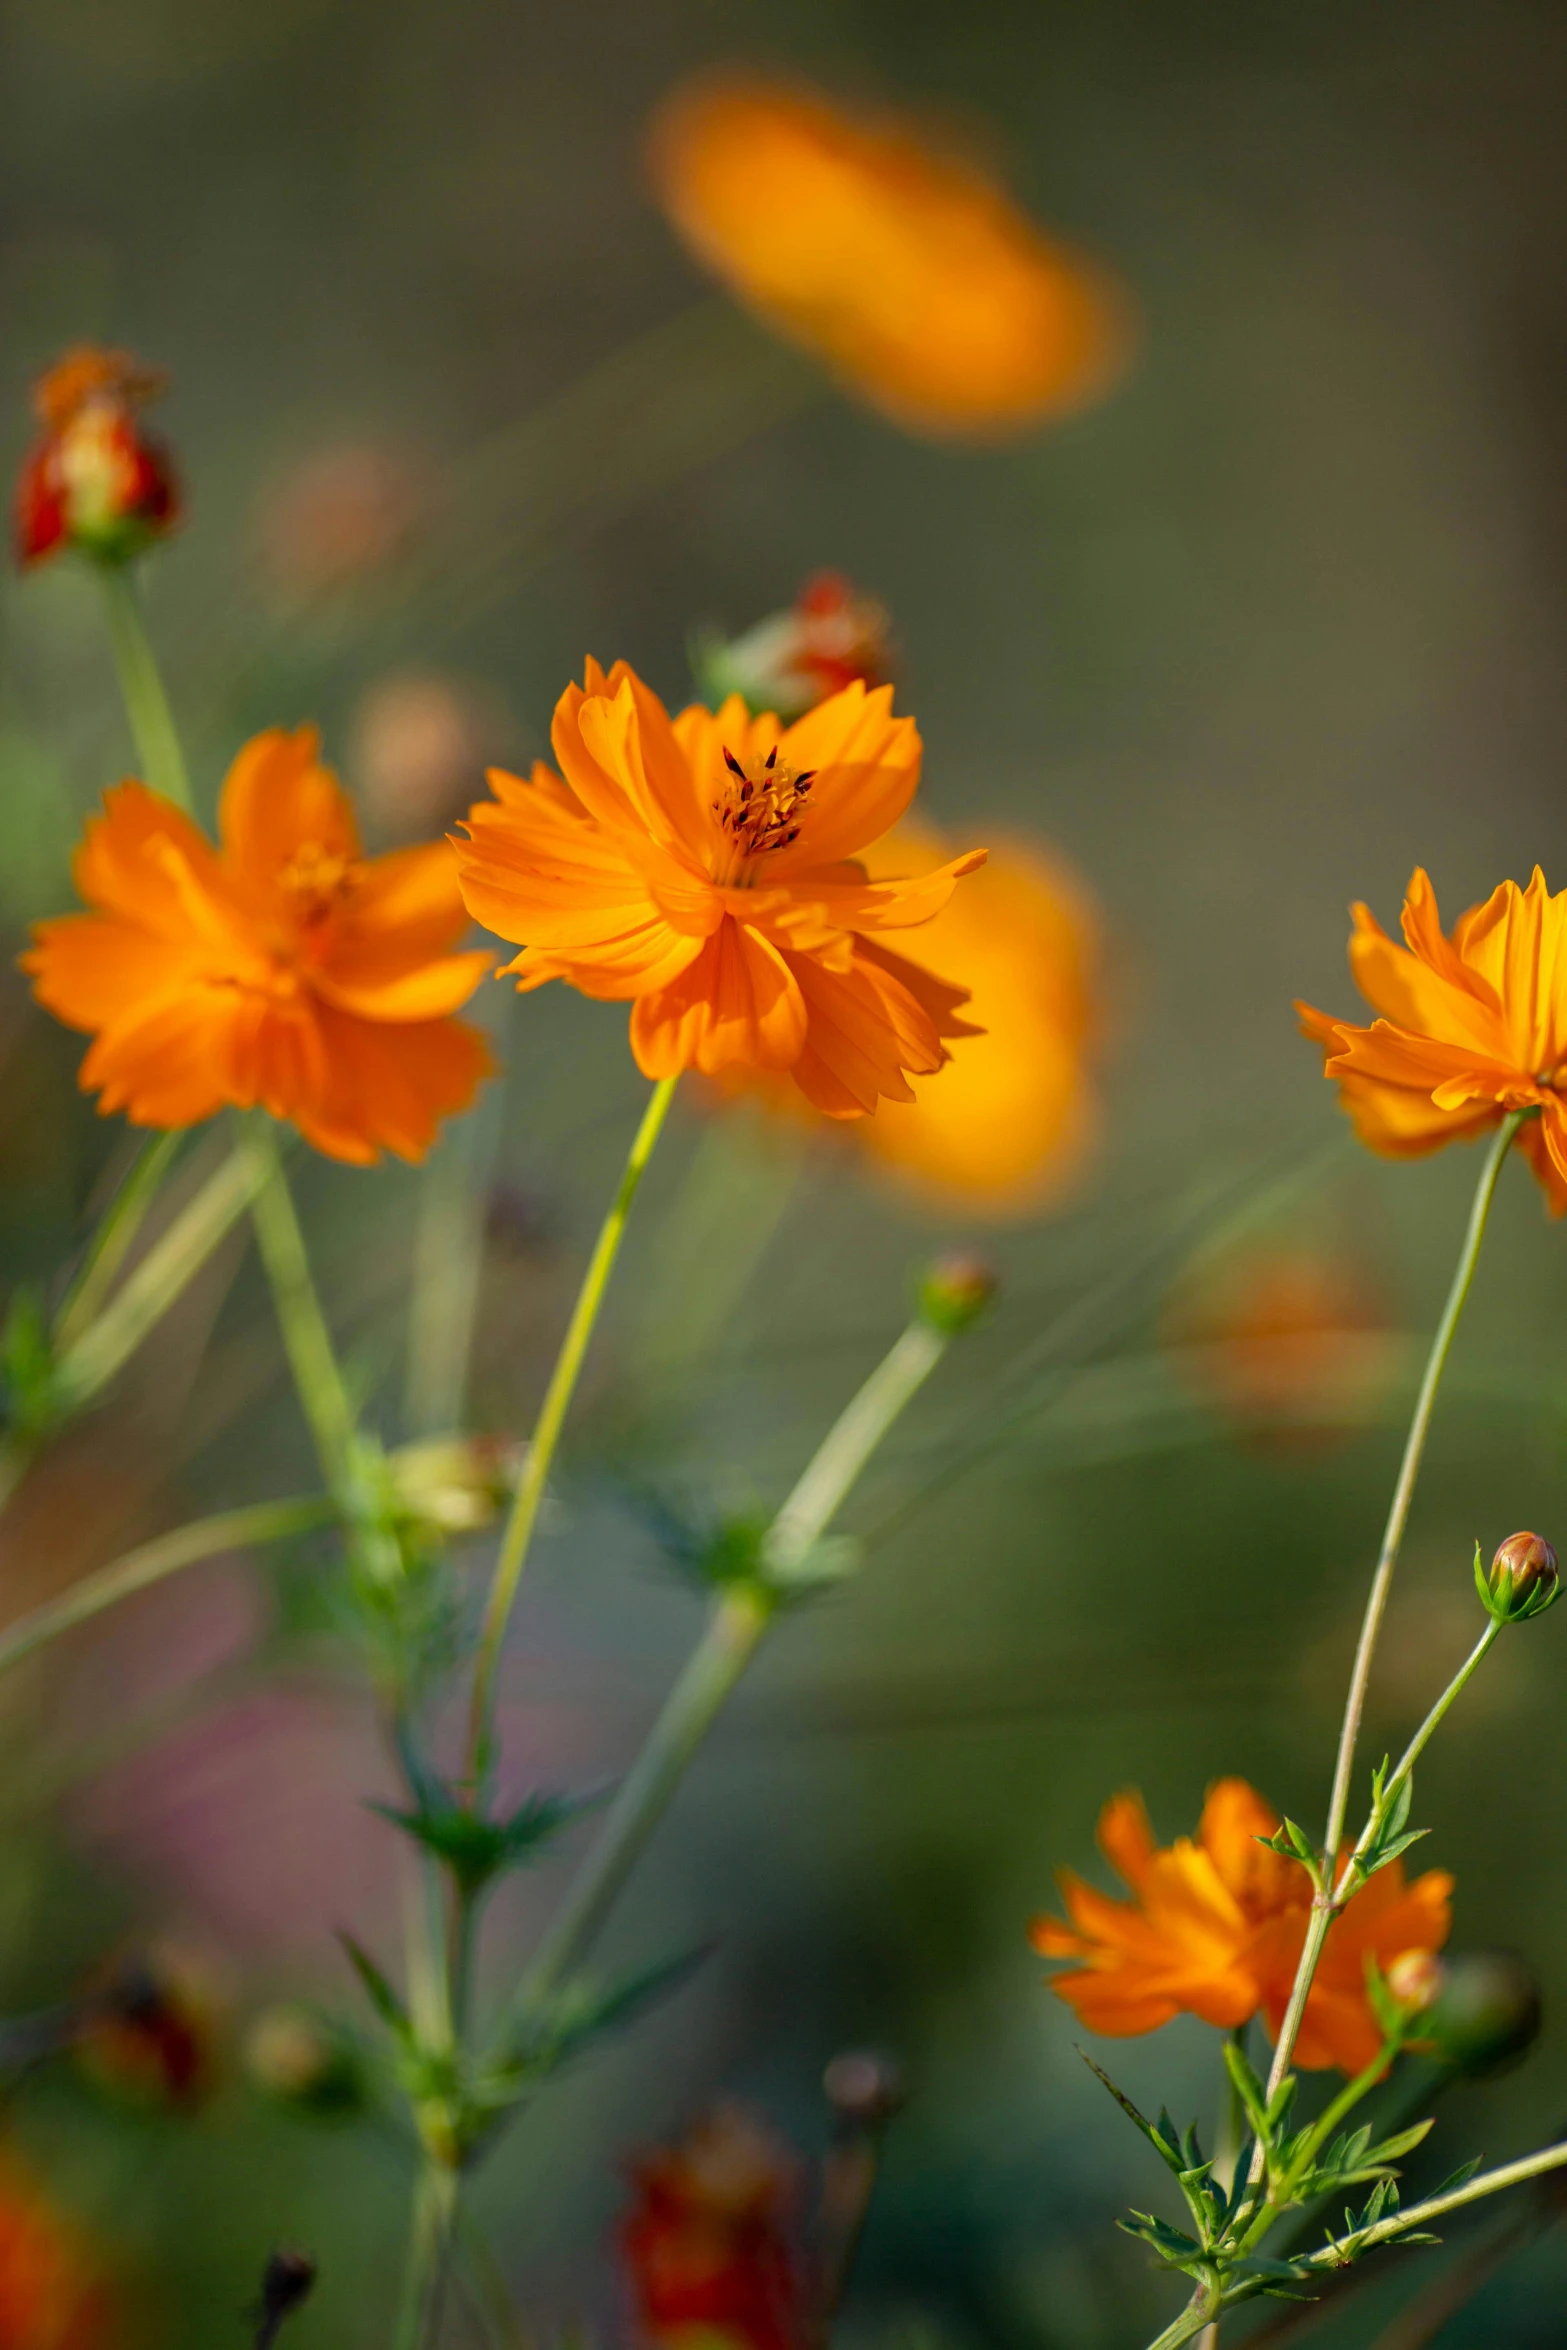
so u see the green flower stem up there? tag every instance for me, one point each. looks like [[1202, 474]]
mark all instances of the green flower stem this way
[[546, 1434], [734, 1629], [141, 688], [151, 1562], [117, 1230], [429, 2257], [91, 1360], [1411, 1755], [739, 1618], [306, 1337], [1381, 1584]]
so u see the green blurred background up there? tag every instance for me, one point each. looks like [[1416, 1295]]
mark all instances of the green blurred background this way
[[1280, 620]]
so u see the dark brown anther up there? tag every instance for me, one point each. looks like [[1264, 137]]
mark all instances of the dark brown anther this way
[[733, 764], [772, 756]]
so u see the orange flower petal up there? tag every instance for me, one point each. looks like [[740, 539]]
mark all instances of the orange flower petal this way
[[736, 1005]]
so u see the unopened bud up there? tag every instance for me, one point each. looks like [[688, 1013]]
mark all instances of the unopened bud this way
[[864, 2090], [954, 1293], [301, 2061], [287, 2282], [1415, 1979], [1523, 1580], [1487, 2013]]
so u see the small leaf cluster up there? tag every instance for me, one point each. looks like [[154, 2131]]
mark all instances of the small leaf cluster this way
[[1278, 2168], [1388, 1833], [739, 1551]]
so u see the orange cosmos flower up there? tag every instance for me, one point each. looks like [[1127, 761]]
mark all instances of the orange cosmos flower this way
[[1013, 1116], [701, 869], [1215, 1927], [1472, 1026], [51, 2290], [1285, 1334], [94, 479], [918, 282], [282, 968]]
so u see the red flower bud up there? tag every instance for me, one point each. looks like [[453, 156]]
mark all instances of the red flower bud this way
[[94, 480], [1523, 1580]]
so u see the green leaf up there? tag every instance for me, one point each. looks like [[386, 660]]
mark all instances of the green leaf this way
[[1405, 2143], [1174, 2248], [378, 1990], [1460, 2178], [1167, 2149], [581, 2014]]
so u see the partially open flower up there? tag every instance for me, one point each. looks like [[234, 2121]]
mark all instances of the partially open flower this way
[[708, 2240], [830, 636], [1415, 1978], [917, 281], [52, 2289], [94, 480]]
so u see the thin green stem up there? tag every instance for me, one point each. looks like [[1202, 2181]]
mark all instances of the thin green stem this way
[[1416, 1747], [1420, 2215], [152, 1562], [546, 1434], [1200, 2312], [92, 1359], [306, 1338], [429, 2258], [1381, 1585], [141, 688], [739, 1618], [734, 1628], [116, 1232]]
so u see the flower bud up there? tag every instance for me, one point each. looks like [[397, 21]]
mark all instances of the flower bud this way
[[1487, 2013], [1415, 1978], [287, 2282], [954, 1292], [454, 1484], [94, 480], [1523, 1580], [864, 2090], [829, 636], [301, 2061]]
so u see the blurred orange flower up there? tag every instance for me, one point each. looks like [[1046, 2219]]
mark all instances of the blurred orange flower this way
[[1472, 1026], [918, 282], [1013, 1116], [1215, 1928], [94, 479], [1286, 1335], [707, 2241], [701, 868], [282, 968], [52, 2294]]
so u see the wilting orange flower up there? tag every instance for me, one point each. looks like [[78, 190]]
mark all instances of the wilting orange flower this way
[[1472, 1026], [707, 2241], [701, 868], [282, 968], [830, 636], [52, 2294], [94, 479], [1215, 1925], [915, 278]]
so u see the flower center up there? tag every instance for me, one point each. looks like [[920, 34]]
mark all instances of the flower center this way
[[761, 809], [315, 879]]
